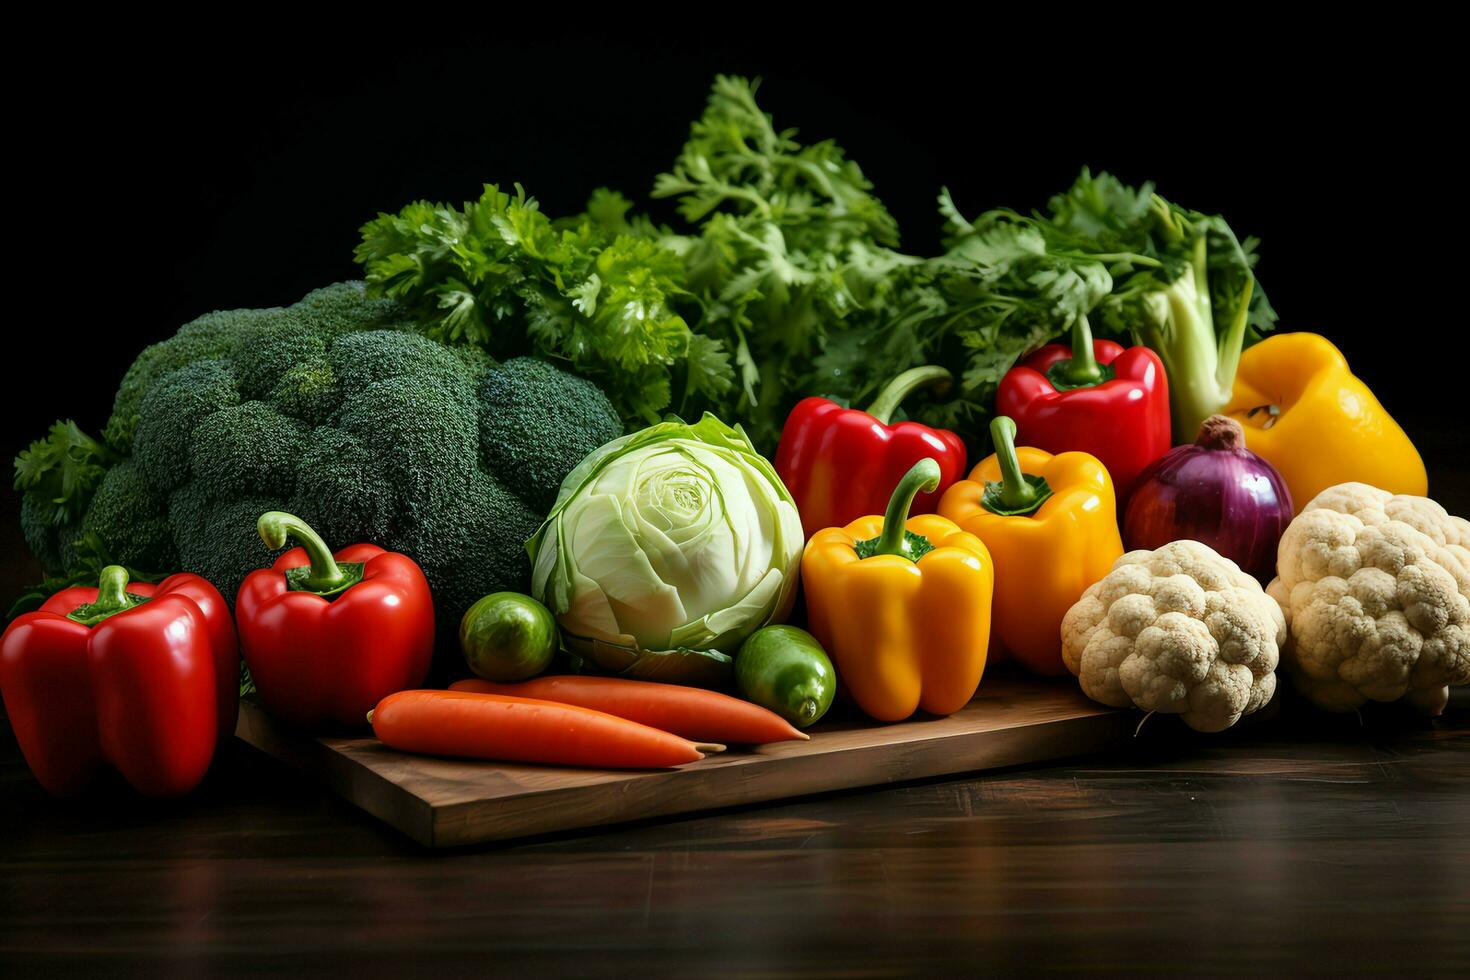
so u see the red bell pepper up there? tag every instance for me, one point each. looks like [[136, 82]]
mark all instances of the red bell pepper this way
[[144, 678], [841, 463], [1106, 400], [327, 637]]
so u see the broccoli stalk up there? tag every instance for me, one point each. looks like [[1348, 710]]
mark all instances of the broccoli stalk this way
[[1178, 323]]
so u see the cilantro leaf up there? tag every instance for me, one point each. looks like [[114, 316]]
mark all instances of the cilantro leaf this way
[[598, 291]]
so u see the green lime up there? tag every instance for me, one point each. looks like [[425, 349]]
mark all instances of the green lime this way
[[786, 670], [507, 636]]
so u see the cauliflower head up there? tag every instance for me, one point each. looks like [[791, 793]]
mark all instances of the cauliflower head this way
[[1179, 630], [1376, 590]]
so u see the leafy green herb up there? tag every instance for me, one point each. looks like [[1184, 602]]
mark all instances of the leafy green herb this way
[[595, 291], [791, 251], [788, 281], [1174, 279], [59, 473]]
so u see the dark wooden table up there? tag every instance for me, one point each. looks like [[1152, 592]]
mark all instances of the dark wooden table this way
[[1299, 843]]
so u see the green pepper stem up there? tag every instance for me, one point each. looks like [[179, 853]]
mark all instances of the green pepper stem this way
[[112, 590], [1016, 493], [902, 386], [923, 476], [112, 598], [325, 575], [1082, 368]]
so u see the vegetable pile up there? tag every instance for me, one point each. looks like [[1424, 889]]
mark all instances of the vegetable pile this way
[[1376, 587], [336, 410], [612, 449], [786, 280]]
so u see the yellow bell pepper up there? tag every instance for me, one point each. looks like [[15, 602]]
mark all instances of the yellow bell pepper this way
[[902, 607], [1051, 525], [1307, 415]]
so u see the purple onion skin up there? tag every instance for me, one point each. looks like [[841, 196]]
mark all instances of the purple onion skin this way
[[1217, 492]]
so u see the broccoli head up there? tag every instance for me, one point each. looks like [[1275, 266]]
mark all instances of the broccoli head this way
[[526, 406], [325, 313], [131, 517], [177, 403], [212, 335], [334, 410], [44, 537]]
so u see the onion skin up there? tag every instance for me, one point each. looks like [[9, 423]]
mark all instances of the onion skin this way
[[1215, 491]]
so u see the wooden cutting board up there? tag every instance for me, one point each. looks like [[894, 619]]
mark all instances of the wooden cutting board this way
[[451, 802]]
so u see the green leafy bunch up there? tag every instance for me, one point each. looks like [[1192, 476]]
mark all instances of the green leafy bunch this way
[[58, 473], [595, 291], [1169, 277], [791, 252], [786, 280]]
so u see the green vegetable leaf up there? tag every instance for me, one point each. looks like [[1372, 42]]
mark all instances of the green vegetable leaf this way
[[791, 250], [60, 472], [1174, 279], [598, 291]]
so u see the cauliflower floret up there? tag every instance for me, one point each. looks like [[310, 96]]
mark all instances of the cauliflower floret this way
[[1376, 590], [1180, 630]]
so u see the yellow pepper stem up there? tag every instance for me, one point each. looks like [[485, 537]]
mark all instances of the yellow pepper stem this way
[[1017, 494], [922, 477]]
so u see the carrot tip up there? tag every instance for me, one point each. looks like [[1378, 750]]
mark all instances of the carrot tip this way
[[803, 736], [709, 746]]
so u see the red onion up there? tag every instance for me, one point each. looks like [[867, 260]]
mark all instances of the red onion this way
[[1215, 491]]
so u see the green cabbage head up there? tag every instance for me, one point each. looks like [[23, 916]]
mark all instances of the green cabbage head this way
[[665, 549]]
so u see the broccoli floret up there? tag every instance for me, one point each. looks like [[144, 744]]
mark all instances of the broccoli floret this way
[[218, 538], [472, 544], [130, 518], [475, 359], [44, 537], [345, 308], [272, 348], [341, 490], [537, 423], [248, 448], [210, 336], [421, 431], [325, 314], [307, 391], [375, 355], [175, 405]]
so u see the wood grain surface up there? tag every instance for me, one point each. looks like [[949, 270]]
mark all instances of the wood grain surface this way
[[451, 802], [1296, 845]]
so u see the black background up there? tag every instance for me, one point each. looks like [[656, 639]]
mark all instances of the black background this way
[[157, 183]]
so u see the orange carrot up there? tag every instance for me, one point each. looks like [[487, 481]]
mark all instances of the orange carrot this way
[[488, 726], [688, 711]]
